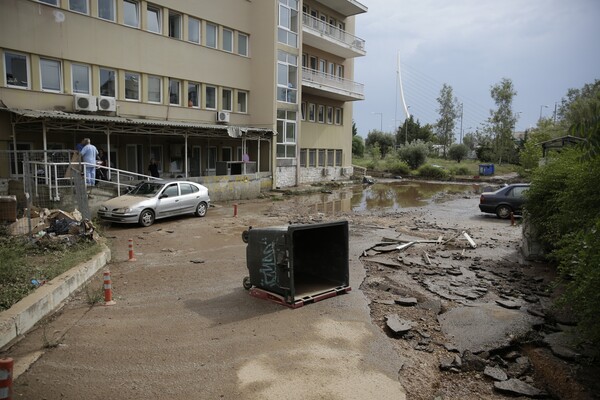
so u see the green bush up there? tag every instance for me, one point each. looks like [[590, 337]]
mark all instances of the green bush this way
[[395, 165], [414, 154], [563, 205], [458, 152], [429, 171], [460, 171]]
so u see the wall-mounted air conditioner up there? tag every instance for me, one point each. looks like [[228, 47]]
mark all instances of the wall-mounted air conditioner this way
[[222, 116], [107, 103], [84, 102]]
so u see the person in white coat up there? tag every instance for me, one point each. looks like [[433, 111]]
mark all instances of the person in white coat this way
[[89, 154]]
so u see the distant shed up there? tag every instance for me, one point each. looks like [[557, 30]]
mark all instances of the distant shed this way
[[559, 143]]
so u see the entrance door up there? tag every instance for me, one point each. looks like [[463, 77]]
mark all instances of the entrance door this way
[[196, 163], [134, 159]]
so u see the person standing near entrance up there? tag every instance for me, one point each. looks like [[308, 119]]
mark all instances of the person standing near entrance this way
[[89, 154], [153, 168]]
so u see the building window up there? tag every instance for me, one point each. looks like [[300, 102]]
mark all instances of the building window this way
[[321, 114], [329, 115], [321, 160], [131, 14], [286, 134], [340, 71], [288, 22], [211, 35], [154, 19], [174, 92], [132, 86], [228, 40], [303, 110], [212, 158], [322, 66], [193, 95], [313, 62], [154, 89], [106, 9], [51, 73], [338, 116], [312, 157], [311, 112], [338, 158], [227, 99], [108, 82], [211, 97], [242, 44], [287, 77], [303, 157], [51, 2], [175, 25], [330, 160], [242, 101], [80, 76], [17, 70], [80, 6], [331, 69], [193, 30]]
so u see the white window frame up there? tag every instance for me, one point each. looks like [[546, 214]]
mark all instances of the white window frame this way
[[206, 97], [286, 140], [242, 104], [329, 115], [160, 89], [111, 5], [227, 99], [85, 3], [287, 23], [130, 73], [178, 83], [287, 66], [338, 157], [243, 45], [192, 21], [312, 112], [177, 31], [303, 111], [88, 89], [227, 40], [50, 2], [338, 116], [135, 4], [60, 75], [27, 70], [155, 10], [210, 27], [321, 114], [115, 81]]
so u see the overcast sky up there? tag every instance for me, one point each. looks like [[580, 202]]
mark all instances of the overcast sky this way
[[544, 46]]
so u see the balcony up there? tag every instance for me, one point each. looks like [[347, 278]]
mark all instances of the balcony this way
[[345, 7], [333, 87], [330, 38]]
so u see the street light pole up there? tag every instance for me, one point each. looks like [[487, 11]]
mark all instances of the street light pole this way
[[406, 129], [541, 108]]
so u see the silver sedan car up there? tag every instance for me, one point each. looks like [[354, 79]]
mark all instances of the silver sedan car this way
[[149, 201]]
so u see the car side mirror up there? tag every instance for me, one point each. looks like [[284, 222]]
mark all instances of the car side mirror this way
[[163, 195]]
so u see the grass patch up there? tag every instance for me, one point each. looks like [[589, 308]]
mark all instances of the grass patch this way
[[21, 261]]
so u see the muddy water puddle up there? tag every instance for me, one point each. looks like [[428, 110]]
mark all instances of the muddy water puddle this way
[[384, 196]]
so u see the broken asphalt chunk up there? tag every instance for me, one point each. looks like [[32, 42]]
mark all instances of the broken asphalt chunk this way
[[406, 301], [397, 324], [511, 305], [518, 387], [495, 373]]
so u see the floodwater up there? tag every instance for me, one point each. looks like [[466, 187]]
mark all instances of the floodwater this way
[[385, 196]]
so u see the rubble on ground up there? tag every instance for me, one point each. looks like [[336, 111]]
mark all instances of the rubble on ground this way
[[56, 225]]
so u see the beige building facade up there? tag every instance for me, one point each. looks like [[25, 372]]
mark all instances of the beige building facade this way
[[194, 85]]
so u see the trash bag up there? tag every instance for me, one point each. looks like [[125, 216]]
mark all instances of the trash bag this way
[[61, 226]]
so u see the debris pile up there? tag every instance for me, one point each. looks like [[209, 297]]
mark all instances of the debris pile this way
[[56, 225]]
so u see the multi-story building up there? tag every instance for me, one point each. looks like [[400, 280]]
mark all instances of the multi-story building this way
[[207, 89]]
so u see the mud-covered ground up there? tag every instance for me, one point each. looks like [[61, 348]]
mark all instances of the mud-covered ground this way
[[465, 316]]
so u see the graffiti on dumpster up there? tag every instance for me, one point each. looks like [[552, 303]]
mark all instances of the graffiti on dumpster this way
[[267, 270]]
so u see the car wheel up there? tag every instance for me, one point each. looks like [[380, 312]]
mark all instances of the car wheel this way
[[147, 218], [201, 209], [503, 211], [247, 283]]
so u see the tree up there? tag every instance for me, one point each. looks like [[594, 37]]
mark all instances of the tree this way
[[470, 141], [385, 141], [414, 154], [412, 130], [358, 146], [458, 152], [501, 122], [448, 111], [354, 130]]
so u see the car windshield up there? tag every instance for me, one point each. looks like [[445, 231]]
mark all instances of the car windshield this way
[[146, 189]]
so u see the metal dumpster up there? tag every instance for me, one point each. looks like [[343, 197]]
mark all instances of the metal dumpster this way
[[297, 264]]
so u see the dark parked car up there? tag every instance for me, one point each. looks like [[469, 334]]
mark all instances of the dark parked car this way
[[149, 201], [504, 201]]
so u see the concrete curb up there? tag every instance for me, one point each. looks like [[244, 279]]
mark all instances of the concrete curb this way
[[44, 300]]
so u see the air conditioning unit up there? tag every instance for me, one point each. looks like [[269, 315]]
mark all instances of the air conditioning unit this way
[[84, 102], [222, 116], [107, 103]]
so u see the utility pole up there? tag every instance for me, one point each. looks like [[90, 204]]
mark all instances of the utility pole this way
[[461, 120]]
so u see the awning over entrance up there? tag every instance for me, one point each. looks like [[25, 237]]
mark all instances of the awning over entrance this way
[[101, 123]]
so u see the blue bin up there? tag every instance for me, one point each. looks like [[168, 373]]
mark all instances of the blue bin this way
[[486, 169]]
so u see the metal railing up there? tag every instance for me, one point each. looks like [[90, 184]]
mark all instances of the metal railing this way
[[333, 82], [333, 32]]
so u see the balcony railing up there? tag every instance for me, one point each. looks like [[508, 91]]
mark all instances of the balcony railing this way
[[333, 32], [333, 82]]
